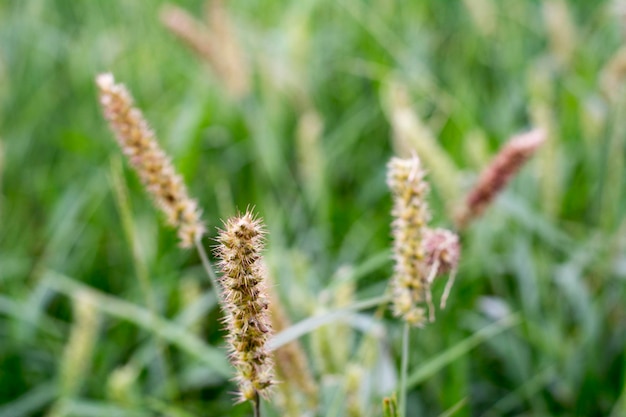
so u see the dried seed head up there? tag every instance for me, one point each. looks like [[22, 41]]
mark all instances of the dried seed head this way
[[245, 304], [405, 178], [499, 172], [150, 162], [215, 41], [443, 249]]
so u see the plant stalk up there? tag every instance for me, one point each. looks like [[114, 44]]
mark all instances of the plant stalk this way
[[208, 267], [256, 405], [404, 367]]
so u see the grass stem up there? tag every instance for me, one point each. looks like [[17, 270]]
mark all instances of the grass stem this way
[[122, 201], [208, 267], [256, 405], [404, 367]]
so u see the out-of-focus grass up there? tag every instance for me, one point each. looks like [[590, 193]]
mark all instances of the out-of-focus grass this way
[[552, 249]]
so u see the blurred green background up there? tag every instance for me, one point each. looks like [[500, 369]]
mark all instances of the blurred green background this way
[[332, 90]]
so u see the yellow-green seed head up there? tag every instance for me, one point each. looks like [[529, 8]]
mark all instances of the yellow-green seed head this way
[[405, 178]]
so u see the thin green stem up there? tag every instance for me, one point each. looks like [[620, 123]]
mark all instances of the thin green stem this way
[[141, 269], [125, 211], [256, 405], [208, 267], [404, 368]]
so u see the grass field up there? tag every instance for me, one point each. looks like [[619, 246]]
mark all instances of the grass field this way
[[102, 314]]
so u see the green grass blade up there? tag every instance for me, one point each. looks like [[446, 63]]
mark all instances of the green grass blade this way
[[433, 365], [141, 317]]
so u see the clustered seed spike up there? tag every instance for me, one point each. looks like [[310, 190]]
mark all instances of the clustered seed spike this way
[[499, 172], [405, 178], [246, 304], [151, 163]]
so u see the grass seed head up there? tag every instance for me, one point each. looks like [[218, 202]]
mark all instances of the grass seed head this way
[[442, 248], [215, 41], [246, 304], [405, 178], [499, 172], [151, 163]]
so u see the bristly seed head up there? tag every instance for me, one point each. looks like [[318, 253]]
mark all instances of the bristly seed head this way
[[151, 163], [246, 303], [405, 178]]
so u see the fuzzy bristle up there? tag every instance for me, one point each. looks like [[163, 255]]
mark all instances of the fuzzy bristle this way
[[246, 304]]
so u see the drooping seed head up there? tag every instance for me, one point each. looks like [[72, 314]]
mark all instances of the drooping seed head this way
[[499, 172], [155, 170], [443, 249]]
